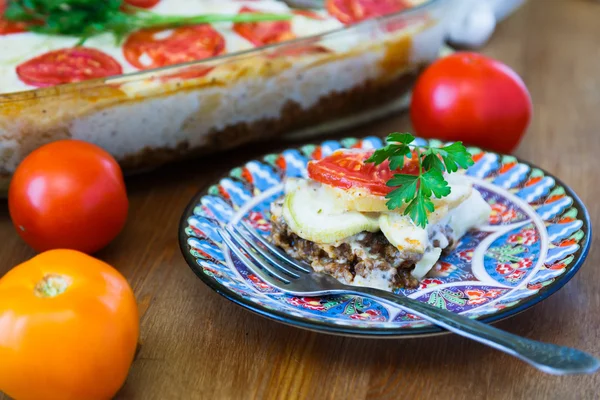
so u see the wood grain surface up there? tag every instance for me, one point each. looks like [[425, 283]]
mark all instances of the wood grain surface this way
[[197, 345]]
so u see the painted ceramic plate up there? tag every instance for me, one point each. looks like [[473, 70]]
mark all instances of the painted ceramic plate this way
[[537, 237]]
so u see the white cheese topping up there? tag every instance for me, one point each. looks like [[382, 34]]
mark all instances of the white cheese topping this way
[[18, 48]]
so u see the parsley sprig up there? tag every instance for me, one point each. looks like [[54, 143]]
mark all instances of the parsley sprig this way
[[416, 190], [87, 18]]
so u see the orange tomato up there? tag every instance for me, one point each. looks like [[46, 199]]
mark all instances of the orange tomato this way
[[69, 327], [68, 194]]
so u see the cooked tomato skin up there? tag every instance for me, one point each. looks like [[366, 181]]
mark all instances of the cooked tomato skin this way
[[67, 65], [184, 44], [9, 27], [347, 169], [142, 3], [68, 194], [270, 32], [78, 344], [263, 33], [473, 98], [352, 11]]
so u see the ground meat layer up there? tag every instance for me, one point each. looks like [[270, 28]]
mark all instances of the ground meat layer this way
[[359, 255], [365, 253]]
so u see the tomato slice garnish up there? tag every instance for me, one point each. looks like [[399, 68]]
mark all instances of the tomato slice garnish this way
[[263, 33], [155, 48], [347, 169], [8, 27], [270, 32], [352, 11], [68, 65], [142, 3]]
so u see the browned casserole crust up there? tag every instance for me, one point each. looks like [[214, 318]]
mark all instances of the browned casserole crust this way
[[293, 118]]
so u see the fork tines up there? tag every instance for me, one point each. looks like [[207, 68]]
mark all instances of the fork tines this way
[[257, 241], [250, 247]]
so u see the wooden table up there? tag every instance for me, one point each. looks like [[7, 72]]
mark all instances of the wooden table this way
[[197, 345]]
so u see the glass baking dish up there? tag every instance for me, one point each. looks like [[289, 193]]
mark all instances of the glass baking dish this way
[[148, 118]]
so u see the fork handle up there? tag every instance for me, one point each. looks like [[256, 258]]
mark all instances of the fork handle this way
[[550, 358]]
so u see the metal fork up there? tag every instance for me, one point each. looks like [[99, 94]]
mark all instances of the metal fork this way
[[298, 278]]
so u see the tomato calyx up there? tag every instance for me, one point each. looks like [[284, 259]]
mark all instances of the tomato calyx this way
[[52, 285]]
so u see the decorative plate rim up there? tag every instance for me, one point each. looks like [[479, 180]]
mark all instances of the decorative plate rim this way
[[385, 332]]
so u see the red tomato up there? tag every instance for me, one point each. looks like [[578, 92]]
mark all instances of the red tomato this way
[[472, 98], [263, 33], [351, 11], [72, 64], [347, 169], [154, 48], [68, 194], [142, 3], [8, 27]]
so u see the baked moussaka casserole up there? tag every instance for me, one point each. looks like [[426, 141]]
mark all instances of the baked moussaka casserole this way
[[251, 70]]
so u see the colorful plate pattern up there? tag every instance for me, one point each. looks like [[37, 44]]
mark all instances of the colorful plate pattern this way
[[536, 239]]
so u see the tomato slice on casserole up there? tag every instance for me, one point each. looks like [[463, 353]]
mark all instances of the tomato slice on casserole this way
[[67, 65], [142, 3], [155, 48], [263, 33], [352, 11], [270, 32], [8, 27]]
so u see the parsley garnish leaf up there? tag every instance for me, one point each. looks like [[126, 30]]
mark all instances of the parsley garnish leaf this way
[[416, 191], [417, 210], [396, 137], [402, 179], [396, 150], [433, 182], [397, 159], [382, 154], [455, 156], [432, 161], [407, 188]]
